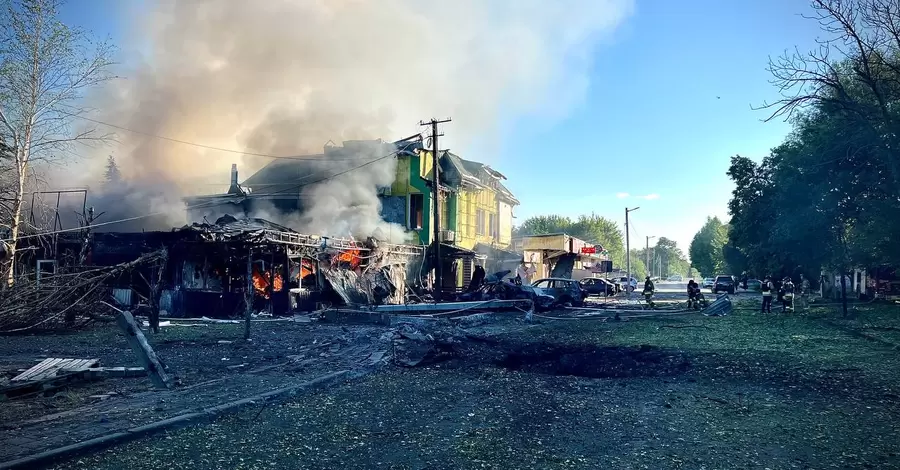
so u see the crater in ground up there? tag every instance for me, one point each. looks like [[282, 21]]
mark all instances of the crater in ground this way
[[596, 362]]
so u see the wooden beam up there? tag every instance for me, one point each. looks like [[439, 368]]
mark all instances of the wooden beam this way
[[142, 349], [271, 287], [248, 294]]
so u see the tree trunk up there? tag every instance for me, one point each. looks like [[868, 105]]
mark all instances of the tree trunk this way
[[15, 223]]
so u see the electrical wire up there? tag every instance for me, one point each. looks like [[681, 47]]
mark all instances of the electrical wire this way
[[199, 205], [208, 147]]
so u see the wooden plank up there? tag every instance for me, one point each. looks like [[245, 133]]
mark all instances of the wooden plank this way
[[78, 365], [37, 386], [68, 364], [37, 374], [142, 349], [31, 370], [31, 373]]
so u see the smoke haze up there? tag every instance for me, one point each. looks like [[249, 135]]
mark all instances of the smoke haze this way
[[284, 77]]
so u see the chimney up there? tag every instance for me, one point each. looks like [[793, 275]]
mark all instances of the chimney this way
[[235, 188]]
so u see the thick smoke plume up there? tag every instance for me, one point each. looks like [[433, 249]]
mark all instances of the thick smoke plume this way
[[285, 77]]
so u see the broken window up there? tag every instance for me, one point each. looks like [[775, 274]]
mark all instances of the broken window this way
[[479, 222], [416, 211]]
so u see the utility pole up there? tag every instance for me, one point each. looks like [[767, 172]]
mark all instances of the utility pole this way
[[647, 255], [627, 259], [436, 203]]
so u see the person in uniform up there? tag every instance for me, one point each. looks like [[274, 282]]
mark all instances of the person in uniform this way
[[787, 292], [690, 293], [767, 293], [648, 291]]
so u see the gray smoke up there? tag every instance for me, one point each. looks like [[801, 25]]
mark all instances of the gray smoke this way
[[284, 77]]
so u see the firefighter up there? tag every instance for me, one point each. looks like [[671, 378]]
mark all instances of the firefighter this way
[[648, 291], [767, 289], [804, 292], [694, 295], [690, 293], [787, 290]]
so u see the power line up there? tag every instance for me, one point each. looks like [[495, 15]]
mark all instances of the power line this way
[[204, 146], [200, 205]]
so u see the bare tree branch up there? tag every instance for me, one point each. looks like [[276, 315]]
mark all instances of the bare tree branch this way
[[44, 64]]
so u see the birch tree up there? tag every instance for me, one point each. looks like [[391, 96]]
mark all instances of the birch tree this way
[[45, 69]]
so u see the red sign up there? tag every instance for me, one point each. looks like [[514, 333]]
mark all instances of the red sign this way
[[588, 250]]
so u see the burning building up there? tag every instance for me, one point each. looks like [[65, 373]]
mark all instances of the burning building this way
[[335, 193], [237, 266]]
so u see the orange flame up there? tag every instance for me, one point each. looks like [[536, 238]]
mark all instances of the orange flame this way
[[349, 256], [261, 283], [305, 269]]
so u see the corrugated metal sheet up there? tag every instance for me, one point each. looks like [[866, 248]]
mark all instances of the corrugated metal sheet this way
[[122, 296]]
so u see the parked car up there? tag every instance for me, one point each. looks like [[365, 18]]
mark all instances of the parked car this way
[[675, 278], [754, 285], [724, 284], [615, 284], [623, 281], [708, 283], [598, 286], [565, 291]]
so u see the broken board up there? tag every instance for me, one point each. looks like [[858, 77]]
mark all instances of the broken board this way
[[51, 366]]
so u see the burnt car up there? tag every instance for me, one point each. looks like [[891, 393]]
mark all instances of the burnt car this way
[[494, 286], [564, 291], [598, 286]]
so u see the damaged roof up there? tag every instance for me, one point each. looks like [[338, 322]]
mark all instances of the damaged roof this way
[[286, 176], [229, 228], [470, 171], [228, 223]]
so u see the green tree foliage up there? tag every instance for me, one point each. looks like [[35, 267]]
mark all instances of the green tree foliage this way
[[667, 256], [829, 196], [707, 248], [590, 228], [638, 267]]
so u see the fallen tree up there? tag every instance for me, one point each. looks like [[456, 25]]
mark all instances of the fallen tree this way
[[64, 300]]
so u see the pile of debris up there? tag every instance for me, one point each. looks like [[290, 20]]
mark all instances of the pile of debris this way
[[55, 373], [66, 299]]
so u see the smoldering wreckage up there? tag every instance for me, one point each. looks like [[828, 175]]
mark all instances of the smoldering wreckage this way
[[246, 270]]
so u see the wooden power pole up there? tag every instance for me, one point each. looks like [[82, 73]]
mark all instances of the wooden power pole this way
[[436, 204]]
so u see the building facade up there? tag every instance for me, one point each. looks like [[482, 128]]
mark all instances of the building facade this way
[[476, 208]]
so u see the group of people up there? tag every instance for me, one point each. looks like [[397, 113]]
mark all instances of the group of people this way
[[695, 295], [785, 293]]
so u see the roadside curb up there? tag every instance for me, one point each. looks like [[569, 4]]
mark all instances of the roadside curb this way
[[209, 413]]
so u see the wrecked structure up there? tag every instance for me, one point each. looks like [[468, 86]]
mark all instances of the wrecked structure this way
[[237, 266], [476, 208], [559, 255]]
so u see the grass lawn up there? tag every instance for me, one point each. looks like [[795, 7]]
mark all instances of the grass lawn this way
[[692, 392]]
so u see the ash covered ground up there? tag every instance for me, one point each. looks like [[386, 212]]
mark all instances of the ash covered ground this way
[[740, 391]]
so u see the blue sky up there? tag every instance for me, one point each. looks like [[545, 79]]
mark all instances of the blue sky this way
[[668, 105], [652, 123]]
